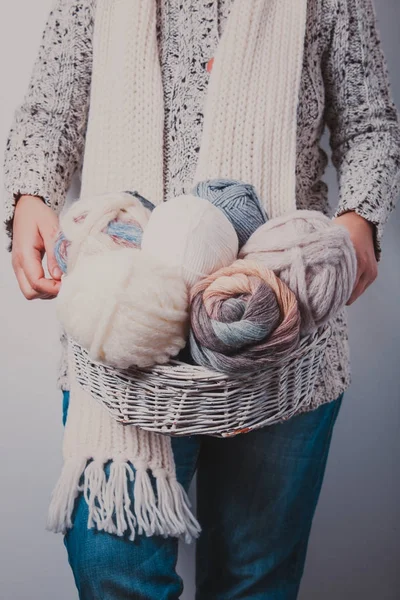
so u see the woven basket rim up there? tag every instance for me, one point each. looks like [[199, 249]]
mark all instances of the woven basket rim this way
[[176, 367]]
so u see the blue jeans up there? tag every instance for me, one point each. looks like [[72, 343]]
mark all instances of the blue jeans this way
[[256, 497]]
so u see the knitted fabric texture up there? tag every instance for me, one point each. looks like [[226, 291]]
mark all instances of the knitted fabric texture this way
[[313, 256], [243, 318], [124, 151], [124, 140], [249, 128], [257, 146]]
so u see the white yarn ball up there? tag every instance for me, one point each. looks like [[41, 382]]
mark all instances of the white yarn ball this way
[[191, 234], [125, 308], [84, 224]]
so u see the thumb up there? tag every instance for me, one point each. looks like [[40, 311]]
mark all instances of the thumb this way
[[52, 264]]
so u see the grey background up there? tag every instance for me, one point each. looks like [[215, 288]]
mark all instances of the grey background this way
[[354, 549]]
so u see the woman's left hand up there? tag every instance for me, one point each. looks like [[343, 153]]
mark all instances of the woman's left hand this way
[[362, 235]]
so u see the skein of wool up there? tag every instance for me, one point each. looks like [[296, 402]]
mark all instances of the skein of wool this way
[[313, 256], [238, 201], [119, 303], [125, 308], [192, 235], [124, 218], [243, 318]]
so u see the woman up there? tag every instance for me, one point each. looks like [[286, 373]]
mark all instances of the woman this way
[[257, 493]]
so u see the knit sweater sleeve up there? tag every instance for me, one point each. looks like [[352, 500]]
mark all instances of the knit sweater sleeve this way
[[361, 116], [46, 139]]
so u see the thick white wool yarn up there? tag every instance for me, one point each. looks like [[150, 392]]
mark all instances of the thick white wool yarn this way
[[125, 308], [313, 256], [84, 223], [191, 234]]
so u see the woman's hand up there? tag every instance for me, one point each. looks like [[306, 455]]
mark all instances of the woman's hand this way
[[34, 230], [362, 235]]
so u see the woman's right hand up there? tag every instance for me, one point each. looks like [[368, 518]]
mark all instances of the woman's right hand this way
[[34, 231]]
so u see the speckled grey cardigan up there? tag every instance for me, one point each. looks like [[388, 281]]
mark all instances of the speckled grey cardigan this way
[[344, 85]]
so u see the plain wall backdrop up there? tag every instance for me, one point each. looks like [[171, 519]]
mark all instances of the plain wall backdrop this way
[[354, 549]]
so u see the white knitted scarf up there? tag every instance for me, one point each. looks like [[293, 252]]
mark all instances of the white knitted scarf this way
[[249, 134]]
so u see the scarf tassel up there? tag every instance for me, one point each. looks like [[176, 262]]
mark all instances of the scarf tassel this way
[[64, 494], [174, 505], [163, 509]]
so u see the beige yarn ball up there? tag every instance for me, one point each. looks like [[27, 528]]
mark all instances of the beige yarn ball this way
[[191, 234], [125, 308], [84, 224], [313, 256]]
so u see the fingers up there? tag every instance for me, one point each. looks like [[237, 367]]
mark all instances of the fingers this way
[[24, 285], [34, 273], [34, 230], [367, 272], [356, 293], [26, 288], [30, 275], [361, 285]]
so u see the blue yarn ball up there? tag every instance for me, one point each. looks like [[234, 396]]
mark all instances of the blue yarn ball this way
[[238, 201]]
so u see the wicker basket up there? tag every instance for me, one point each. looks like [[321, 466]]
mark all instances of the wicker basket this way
[[180, 399]]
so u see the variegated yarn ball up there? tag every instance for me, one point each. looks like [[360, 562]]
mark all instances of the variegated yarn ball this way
[[243, 318]]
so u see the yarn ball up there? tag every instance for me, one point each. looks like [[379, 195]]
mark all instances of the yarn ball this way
[[192, 235], [239, 203], [313, 256], [243, 318], [115, 220], [125, 308]]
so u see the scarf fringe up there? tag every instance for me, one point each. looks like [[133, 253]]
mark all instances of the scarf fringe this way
[[64, 495], [163, 511], [174, 505]]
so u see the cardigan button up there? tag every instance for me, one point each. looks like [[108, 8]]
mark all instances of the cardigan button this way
[[210, 65]]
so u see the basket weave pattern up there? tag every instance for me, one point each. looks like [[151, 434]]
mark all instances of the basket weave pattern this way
[[180, 399]]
